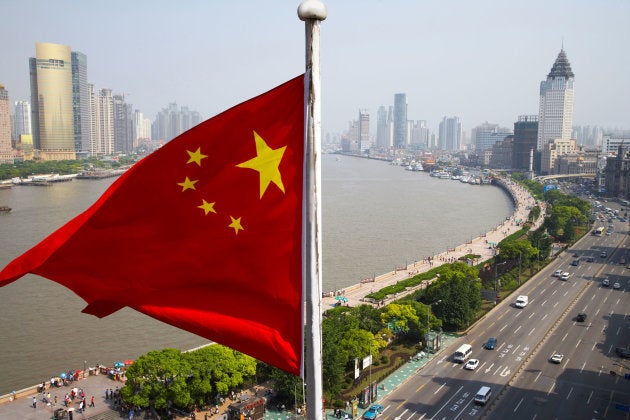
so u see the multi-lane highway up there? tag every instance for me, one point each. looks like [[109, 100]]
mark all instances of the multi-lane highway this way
[[524, 383]]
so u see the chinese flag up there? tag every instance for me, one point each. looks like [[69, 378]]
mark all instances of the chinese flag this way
[[204, 234]]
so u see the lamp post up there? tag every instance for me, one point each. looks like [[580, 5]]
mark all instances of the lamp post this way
[[84, 366], [428, 324]]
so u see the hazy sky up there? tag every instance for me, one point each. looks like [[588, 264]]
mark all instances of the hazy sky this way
[[479, 60]]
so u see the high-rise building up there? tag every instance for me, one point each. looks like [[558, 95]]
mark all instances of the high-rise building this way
[[141, 128], [486, 135], [400, 121], [21, 119], [170, 122], [364, 131], [450, 134], [123, 125], [382, 129], [525, 137], [555, 115], [101, 122], [51, 100], [6, 151], [80, 103], [419, 135]]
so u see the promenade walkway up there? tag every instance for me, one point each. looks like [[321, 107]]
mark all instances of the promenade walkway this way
[[524, 202]]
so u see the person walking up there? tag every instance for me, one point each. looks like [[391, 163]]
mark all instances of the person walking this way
[[92, 401], [34, 402]]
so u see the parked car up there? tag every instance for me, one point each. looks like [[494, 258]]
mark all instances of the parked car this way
[[373, 411], [471, 364], [556, 358], [581, 317], [622, 352], [491, 343]]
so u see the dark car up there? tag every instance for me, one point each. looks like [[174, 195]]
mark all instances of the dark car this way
[[623, 352], [491, 343], [581, 317]]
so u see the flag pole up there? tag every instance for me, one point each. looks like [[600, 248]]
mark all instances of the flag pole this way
[[312, 12]]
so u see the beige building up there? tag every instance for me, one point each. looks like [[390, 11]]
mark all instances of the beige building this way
[[6, 152], [51, 102], [552, 150]]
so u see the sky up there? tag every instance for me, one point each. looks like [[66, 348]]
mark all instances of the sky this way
[[481, 61]]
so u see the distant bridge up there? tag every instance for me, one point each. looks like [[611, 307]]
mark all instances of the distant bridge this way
[[559, 176]]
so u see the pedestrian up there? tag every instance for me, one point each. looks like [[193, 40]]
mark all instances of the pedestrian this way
[[92, 401], [106, 394], [81, 407], [34, 402]]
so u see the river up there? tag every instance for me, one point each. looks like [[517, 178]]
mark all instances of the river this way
[[374, 217]]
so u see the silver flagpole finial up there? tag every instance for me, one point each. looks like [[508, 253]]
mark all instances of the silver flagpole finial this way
[[312, 9]]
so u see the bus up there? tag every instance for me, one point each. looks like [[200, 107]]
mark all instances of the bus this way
[[599, 231], [462, 353]]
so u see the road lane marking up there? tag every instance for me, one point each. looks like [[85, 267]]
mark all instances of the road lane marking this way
[[555, 304], [518, 405], [554, 292], [582, 369], [503, 327], [538, 376], [438, 390], [586, 307], [516, 330], [570, 392], [544, 301], [531, 315], [532, 331], [496, 371], [489, 368], [589, 398], [594, 345], [543, 291], [516, 348], [551, 388], [447, 402], [618, 330], [420, 387], [565, 336], [544, 317], [596, 312], [565, 293]]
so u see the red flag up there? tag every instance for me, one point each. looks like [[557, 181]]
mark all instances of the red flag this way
[[204, 234]]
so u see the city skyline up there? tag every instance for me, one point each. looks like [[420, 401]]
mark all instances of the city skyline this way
[[210, 56]]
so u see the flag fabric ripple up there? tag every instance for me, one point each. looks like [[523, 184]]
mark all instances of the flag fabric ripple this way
[[204, 234]]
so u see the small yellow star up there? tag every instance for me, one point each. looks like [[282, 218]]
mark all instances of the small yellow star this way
[[207, 207], [188, 184], [196, 156], [236, 225], [266, 162]]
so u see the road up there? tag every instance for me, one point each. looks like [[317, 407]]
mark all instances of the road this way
[[526, 339]]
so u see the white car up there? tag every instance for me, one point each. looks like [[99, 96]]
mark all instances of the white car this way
[[616, 285], [565, 276], [556, 358], [471, 364], [557, 273]]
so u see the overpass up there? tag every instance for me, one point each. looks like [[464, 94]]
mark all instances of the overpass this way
[[560, 176]]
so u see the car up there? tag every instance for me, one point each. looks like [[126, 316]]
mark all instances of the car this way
[[581, 317], [575, 262], [471, 364], [565, 276], [590, 259], [616, 285], [373, 411], [576, 255], [604, 254], [557, 273], [622, 352], [605, 282], [556, 358], [490, 344]]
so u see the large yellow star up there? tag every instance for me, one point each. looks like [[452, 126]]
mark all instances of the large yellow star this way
[[266, 162], [207, 207], [196, 156], [188, 184], [236, 225]]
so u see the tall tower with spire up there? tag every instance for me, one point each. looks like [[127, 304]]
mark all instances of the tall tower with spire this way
[[555, 115]]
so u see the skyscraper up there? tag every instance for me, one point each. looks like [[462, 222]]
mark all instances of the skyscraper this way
[[364, 131], [80, 103], [101, 122], [555, 115], [51, 100], [21, 119], [450, 134], [525, 137], [123, 122], [400, 121], [382, 129], [6, 152]]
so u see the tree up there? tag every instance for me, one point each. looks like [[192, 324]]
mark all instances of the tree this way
[[398, 317]]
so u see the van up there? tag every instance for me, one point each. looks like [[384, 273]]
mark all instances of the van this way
[[462, 353], [483, 395], [576, 262], [521, 301]]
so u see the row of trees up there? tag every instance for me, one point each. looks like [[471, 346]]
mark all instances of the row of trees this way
[[24, 169]]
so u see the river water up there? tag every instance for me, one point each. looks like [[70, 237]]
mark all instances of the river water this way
[[374, 217]]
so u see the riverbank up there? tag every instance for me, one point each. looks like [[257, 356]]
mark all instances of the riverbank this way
[[482, 245]]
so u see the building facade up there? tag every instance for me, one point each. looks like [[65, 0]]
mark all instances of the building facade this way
[[80, 104], [6, 151], [525, 138], [364, 131], [617, 174], [51, 101], [383, 137], [551, 151], [400, 121], [21, 119], [450, 134], [555, 115]]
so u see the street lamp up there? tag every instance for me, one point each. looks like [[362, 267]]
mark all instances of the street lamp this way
[[428, 324]]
